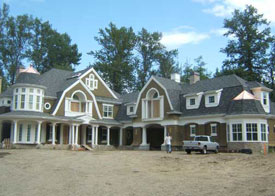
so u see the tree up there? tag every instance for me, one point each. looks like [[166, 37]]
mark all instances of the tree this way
[[50, 49], [187, 70], [115, 60], [17, 39], [167, 64], [251, 38], [148, 48], [200, 68]]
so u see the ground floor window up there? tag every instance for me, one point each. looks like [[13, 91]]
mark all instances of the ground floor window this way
[[192, 130], [237, 132], [29, 133], [251, 132], [213, 129], [36, 132], [263, 132], [89, 134], [20, 132]]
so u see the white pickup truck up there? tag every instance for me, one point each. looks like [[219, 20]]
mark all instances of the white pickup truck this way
[[201, 143]]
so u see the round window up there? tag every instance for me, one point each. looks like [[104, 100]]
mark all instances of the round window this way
[[47, 106]]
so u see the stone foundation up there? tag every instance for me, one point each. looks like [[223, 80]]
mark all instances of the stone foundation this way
[[256, 147]]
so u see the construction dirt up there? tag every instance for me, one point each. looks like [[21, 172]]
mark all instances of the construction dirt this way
[[62, 173]]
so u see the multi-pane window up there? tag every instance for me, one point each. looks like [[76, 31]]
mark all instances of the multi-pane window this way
[[107, 111], [192, 101], [213, 129], [30, 101], [263, 132], [89, 135], [22, 105], [251, 132], [20, 132], [192, 130], [131, 109], [237, 132], [264, 98], [91, 82], [37, 102], [211, 99], [27, 99], [29, 133], [15, 101], [36, 133]]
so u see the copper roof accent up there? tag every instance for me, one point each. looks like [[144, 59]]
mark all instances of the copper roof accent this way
[[245, 95], [30, 69]]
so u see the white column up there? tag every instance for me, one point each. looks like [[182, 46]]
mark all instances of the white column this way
[[53, 133], [96, 135], [61, 133], [164, 135], [70, 134], [39, 123], [108, 136], [144, 136], [120, 136], [73, 132], [15, 131], [76, 134], [93, 135]]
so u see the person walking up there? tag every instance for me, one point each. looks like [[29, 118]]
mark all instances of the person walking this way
[[168, 139]]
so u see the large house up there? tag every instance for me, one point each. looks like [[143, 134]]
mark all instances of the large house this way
[[65, 108]]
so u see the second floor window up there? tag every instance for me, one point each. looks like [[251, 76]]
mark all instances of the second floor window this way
[[107, 111], [211, 99], [192, 101], [91, 82]]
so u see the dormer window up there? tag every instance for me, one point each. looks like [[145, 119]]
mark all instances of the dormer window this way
[[265, 98], [91, 82], [152, 105], [130, 109], [211, 99], [192, 101]]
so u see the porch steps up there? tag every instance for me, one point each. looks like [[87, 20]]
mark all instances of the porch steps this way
[[87, 147]]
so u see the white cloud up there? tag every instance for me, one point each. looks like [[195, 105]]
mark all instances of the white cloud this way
[[176, 39], [218, 32], [224, 8]]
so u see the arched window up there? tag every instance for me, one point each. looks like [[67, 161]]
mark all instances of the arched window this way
[[152, 105], [78, 102]]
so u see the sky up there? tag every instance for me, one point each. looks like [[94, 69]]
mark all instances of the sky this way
[[194, 27]]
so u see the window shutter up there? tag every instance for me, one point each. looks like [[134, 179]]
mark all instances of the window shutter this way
[[95, 84]]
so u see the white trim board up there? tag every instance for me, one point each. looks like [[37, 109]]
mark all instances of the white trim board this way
[[69, 88], [93, 70], [139, 96]]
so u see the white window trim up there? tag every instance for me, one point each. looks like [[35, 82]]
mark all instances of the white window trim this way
[[217, 97], [145, 112], [27, 94], [108, 105], [191, 127], [214, 125], [128, 109], [93, 80]]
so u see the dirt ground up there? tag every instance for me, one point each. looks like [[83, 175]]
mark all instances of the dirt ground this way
[[61, 172]]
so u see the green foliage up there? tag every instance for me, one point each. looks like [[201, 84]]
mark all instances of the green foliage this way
[[149, 49], [115, 60], [24, 38], [167, 64], [247, 49], [198, 66]]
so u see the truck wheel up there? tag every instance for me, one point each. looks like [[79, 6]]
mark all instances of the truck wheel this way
[[204, 150], [188, 151], [217, 149]]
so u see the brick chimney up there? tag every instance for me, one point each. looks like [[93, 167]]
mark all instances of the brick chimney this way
[[195, 77]]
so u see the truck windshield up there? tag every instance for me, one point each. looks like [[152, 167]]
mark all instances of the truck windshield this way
[[201, 139]]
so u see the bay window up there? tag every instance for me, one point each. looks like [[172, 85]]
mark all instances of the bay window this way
[[237, 132], [263, 132], [251, 132]]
